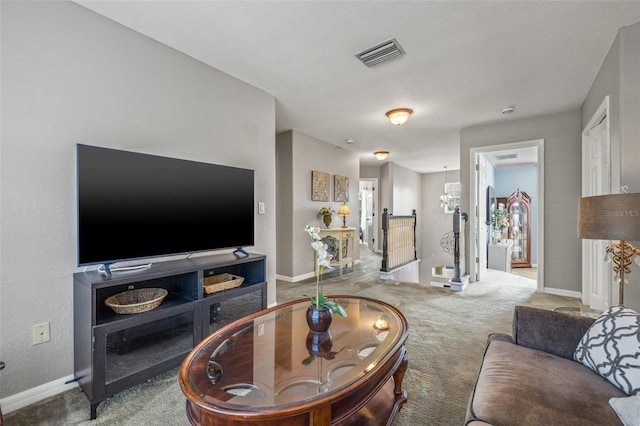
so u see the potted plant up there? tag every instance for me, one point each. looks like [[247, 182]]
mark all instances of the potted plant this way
[[501, 219], [321, 309], [326, 213]]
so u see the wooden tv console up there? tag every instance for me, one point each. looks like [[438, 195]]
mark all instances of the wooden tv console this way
[[113, 352]]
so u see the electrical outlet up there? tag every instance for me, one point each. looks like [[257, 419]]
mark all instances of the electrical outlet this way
[[41, 333]]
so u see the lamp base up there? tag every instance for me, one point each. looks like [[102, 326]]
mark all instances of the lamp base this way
[[623, 253]]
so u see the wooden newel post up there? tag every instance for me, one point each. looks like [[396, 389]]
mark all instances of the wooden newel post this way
[[457, 226], [415, 221], [385, 228]]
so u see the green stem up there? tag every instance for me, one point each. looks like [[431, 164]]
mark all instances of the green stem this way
[[318, 284]]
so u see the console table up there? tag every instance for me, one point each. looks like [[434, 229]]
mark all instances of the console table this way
[[269, 369], [345, 246]]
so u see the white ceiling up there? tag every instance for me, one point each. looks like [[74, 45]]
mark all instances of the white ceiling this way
[[464, 62]]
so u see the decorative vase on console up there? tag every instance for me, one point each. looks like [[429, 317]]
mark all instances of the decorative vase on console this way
[[327, 215], [320, 312]]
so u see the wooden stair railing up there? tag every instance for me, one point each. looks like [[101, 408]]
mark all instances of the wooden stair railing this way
[[398, 240]]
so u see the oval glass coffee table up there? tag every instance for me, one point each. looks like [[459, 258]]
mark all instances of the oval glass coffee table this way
[[269, 369]]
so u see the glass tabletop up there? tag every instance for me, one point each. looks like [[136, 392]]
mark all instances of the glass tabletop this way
[[272, 360]]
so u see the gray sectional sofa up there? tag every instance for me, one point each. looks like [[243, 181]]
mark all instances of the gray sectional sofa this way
[[531, 378]]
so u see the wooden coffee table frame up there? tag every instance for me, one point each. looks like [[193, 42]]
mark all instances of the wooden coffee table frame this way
[[373, 399]]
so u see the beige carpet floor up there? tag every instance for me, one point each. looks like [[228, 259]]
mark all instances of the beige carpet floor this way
[[531, 273], [447, 336]]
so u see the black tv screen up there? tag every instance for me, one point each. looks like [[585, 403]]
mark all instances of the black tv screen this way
[[135, 206]]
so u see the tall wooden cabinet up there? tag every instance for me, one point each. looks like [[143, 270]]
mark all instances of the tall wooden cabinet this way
[[518, 205]]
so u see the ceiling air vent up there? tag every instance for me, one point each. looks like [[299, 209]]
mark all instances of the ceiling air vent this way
[[381, 53], [507, 156]]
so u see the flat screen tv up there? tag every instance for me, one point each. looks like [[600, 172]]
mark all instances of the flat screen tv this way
[[136, 206]]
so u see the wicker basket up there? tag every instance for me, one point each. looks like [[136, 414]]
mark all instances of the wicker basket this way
[[136, 301], [221, 282]]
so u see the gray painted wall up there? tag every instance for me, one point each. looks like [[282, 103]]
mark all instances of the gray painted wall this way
[[69, 75], [562, 177], [619, 78], [305, 154], [407, 194], [284, 200], [435, 222]]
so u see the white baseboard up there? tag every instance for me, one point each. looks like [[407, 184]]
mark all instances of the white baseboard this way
[[33, 395], [295, 279], [561, 292]]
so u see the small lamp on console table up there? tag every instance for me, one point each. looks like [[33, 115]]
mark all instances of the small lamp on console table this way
[[344, 212], [613, 217]]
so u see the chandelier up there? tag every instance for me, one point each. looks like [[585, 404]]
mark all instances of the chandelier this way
[[446, 200]]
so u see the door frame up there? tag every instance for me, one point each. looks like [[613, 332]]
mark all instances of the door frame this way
[[588, 280], [537, 143]]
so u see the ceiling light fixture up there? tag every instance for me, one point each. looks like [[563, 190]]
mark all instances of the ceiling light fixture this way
[[350, 141], [509, 109], [381, 155], [399, 116], [446, 200]]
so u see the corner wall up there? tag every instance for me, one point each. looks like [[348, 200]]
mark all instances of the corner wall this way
[[619, 78], [435, 223], [299, 154], [562, 185], [70, 75]]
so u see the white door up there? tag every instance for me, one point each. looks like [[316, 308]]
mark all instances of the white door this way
[[481, 215], [596, 274], [367, 213]]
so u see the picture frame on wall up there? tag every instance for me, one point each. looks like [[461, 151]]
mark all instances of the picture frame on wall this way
[[319, 186], [341, 188]]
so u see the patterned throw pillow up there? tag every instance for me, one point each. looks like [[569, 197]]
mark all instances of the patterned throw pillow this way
[[627, 409], [611, 348]]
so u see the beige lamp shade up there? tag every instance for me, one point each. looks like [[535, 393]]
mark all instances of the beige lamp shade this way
[[344, 210], [610, 217]]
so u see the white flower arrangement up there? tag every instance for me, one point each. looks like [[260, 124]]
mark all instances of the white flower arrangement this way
[[323, 259]]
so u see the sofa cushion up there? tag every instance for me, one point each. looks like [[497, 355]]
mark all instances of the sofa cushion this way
[[611, 348], [522, 386], [557, 333]]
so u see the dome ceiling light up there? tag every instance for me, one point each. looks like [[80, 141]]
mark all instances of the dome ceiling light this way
[[381, 155], [399, 116]]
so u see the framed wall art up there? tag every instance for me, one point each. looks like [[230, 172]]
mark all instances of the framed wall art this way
[[319, 186], [341, 188]]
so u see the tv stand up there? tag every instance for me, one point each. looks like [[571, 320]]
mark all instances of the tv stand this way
[[106, 269], [241, 251], [113, 352]]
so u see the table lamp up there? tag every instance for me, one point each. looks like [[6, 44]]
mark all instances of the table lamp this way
[[613, 217], [344, 212]]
